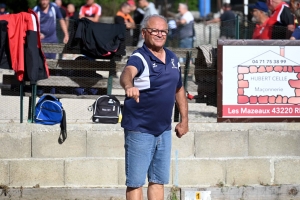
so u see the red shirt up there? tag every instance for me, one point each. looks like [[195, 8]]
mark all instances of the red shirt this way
[[280, 19], [262, 31], [90, 11]]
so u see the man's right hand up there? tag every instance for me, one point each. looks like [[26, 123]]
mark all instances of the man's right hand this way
[[133, 92]]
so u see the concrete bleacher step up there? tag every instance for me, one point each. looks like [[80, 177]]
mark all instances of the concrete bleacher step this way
[[260, 192], [93, 155]]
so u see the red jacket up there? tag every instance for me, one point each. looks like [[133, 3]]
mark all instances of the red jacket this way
[[27, 58]]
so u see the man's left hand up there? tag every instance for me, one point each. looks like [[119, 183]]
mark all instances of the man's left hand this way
[[66, 39], [181, 129]]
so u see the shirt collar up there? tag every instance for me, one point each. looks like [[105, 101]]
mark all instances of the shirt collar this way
[[153, 57], [280, 5]]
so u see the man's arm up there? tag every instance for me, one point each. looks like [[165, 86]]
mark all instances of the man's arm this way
[[215, 20], [290, 30], [182, 127], [287, 18], [126, 81], [95, 18], [181, 22], [64, 29]]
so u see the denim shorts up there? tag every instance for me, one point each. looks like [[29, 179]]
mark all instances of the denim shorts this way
[[147, 154]]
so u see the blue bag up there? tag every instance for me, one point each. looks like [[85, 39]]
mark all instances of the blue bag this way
[[49, 111]]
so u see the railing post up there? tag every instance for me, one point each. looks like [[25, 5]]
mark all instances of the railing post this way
[[32, 101], [21, 101], [109, 84], [209, 35], [186, 71], [187, 68], [237, 27]]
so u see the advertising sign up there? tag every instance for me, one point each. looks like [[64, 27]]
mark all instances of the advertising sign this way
[[260, 81]]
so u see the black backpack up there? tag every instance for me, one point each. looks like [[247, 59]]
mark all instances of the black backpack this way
[[106, 109]]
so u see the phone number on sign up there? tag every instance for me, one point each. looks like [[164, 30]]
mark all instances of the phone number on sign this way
[[268, 61]]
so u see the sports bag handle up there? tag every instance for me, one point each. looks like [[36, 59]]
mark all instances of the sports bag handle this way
[[63, 129]]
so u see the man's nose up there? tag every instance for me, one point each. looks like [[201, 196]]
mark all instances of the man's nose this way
[[159, 33]]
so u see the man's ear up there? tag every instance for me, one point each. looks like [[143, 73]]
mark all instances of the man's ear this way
[[143, 34]]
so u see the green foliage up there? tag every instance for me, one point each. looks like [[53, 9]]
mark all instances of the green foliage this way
[[192, 4], [109, 7], [32, 3]]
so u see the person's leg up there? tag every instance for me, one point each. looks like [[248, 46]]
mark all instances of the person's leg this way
[[139, 150], [155, 191], [186, 43], [134, 193], [159, 169]]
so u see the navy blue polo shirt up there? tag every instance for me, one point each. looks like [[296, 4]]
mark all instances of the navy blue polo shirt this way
[[157, 83], [48, 22]]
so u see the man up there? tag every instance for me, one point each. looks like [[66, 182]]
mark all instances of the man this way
[[72, 14], [227, 19], [294, 6], [186, 27], [3, 9], [138, 16], [281, 19], [296, 33], [90, 10], [123, 17], [149, 9], [152, 82], [261, 16], [63, 10], [48, 14]]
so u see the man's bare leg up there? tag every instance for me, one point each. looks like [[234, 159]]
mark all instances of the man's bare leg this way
[[134, 193], [155, 191]]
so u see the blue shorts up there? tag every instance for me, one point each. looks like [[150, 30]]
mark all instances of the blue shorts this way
[[147, 154]]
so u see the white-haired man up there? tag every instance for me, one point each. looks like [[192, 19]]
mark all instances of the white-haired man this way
[[185, 27], [152, 82]]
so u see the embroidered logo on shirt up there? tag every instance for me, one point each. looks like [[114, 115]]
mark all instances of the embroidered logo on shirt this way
[[174, 66], [154, 65]]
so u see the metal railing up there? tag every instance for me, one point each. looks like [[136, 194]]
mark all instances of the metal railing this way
[[200, 78]]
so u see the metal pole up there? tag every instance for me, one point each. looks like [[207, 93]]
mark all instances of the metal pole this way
[[209, 36], [237, 27], [21, 101], [246, 18]]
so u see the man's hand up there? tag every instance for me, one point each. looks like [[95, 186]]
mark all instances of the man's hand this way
[[66, 39], [133, 92], [181, 129], [129, 25]]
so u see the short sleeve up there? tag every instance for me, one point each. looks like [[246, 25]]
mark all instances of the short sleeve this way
[[223, 17], [63, 12], [58, 13], [287, 17], [81, 11], [136, 62], [99, 10], [179, 83], [188, 17]]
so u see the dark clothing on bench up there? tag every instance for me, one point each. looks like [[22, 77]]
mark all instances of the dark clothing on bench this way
[[100, 39]]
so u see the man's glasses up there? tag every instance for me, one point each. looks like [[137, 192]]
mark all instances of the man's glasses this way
[[154, 31]]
